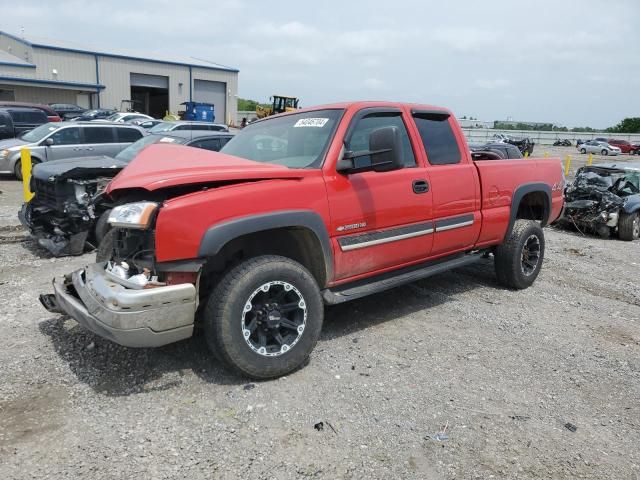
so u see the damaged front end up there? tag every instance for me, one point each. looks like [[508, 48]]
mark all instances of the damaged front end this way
[[131, 299], [65, 209], [597, 197]]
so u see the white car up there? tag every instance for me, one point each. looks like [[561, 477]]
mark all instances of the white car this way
[[124, 117], [602, 148]]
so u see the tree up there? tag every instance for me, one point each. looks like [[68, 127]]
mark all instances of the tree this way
[[628, 125], [249, 105]]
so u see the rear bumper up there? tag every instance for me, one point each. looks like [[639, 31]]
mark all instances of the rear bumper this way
[[132, 318]]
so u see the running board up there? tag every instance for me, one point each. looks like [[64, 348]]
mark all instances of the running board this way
[[380, 283]]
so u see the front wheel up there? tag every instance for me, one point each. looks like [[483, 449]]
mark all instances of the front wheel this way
[[629, 226], [604, 152], [518, 260], [264, 317]]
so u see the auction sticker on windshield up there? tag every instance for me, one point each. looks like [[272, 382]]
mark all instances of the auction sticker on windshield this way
[[311, 122]]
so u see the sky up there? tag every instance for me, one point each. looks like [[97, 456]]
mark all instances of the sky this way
[[571, 63]]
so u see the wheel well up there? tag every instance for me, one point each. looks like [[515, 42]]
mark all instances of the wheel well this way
[[534, 206], [297, 243]]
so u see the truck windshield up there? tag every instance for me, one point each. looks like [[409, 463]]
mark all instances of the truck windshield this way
[[39, 133], [298, 140]]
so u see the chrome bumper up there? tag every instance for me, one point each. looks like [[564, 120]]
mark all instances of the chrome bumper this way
[[133, 318]]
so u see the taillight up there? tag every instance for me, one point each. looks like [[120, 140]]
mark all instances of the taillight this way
[[54, 119]]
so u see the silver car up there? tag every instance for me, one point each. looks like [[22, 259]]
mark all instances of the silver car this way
[[188, 125], [54, 141], [601, 148]]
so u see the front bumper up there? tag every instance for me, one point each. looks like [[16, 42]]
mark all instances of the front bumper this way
[[132, 318]]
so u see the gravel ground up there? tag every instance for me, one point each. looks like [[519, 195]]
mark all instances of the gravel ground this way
[[449, 377]]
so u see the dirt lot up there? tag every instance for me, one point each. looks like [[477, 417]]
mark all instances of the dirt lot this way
[[502, 374]]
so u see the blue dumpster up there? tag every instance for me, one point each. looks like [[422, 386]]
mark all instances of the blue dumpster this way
[[202, 112]]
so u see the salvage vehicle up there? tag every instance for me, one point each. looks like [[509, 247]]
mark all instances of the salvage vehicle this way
[[503, 150], [68, 213], [623, 145], [251, 243], [605, 199], [525, 145], [602, 148], [67, 111], [124, 117], [54, 141], [94, 114], [565, 142]]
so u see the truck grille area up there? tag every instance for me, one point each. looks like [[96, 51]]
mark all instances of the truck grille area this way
[[45, 193]]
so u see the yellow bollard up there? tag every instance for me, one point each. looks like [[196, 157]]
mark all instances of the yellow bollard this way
[[25, 159], [526, 154], [590, 159], [567, 165], [546, 154]]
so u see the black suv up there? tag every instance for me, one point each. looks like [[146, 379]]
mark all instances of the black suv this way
[[14, 121]]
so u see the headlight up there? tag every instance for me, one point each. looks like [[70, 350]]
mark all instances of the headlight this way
[[133, 215], [4, 153]]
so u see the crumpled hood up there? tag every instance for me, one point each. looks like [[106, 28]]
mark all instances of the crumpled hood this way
[[55, 168], [161, 166]]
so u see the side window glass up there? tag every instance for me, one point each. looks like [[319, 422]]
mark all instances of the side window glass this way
[[98, 135], [438, 139], [210, 144], [66, 136], [360, 137], [128, 135]]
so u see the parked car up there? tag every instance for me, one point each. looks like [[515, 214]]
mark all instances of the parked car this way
[[562, 142], [95, 114], [146, 124], [53, 141], [14, 121], [52, 116], [125, 117], [188, 125], [605, 199], [68, 212], [601, 148], [261, 239], [623, 145], [67, 111], [503, 150], [525, 145]]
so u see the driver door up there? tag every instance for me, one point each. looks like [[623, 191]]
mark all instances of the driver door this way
[[379, 220], [67, 143]]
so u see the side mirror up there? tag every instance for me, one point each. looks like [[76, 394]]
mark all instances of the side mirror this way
[[49, 141], [385, 152]]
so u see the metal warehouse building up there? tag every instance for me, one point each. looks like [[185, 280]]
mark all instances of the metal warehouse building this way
[[51, 71]]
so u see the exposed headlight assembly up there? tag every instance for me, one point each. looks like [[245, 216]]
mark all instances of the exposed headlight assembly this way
[[133, 215]]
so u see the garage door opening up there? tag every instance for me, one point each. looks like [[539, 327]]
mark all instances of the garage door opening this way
[[212, 92], [150, 94]]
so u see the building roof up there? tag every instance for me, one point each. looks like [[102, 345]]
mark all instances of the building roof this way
[[11, 60], [65, 45]]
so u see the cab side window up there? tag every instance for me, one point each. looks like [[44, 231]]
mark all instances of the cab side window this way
[[67, 136], [438, 138], [360, 137]]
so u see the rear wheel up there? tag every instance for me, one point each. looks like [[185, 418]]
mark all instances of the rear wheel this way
[[629, 226], [264, 317], [604, 152], [583, 150], [518, 260]]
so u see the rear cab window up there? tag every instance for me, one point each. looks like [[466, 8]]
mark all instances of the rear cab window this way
[[438, 138]]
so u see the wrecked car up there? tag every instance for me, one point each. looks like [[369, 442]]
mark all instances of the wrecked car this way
[[605, 199], [68, 213]]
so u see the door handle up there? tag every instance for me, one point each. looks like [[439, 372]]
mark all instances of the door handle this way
[[420, 186], [90, 148]]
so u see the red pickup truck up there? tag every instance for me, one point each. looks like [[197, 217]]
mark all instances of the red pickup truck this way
[[300, 210]]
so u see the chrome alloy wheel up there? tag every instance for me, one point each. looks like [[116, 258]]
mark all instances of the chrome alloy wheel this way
[[274, 318], [530, 255]]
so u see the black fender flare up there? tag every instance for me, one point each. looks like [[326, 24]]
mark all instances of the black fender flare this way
[[519, 194], [217, 236]]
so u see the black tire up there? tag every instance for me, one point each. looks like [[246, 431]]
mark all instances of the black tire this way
[[632, 152], [17, 170], [225, 315], [604, 152], [105, 247], [629, 226], [583, 151], [102, 227], [518, 260]]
